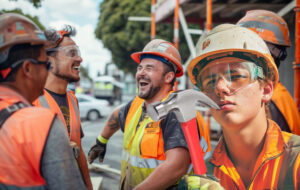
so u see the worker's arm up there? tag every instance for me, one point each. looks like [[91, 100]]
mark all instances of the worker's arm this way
[[58, 165], [166, 174], [111, 126]]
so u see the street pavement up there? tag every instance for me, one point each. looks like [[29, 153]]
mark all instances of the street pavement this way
[[113, 150]]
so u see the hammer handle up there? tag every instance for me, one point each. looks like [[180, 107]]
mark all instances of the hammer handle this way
[[190, 131]]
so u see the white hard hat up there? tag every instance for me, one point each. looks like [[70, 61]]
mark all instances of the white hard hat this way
[[228, 40]]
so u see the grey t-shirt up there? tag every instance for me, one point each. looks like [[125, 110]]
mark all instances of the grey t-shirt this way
[[58, 165]]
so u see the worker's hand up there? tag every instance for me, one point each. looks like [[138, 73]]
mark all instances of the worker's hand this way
[[189, 182], [97, 150]]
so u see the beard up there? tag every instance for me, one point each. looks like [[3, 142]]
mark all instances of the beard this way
[[65, 77], [151, 91]]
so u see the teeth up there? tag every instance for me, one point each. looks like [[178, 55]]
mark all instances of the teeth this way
[[76, 68]]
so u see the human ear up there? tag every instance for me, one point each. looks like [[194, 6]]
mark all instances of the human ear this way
[[27, 68], [267, 91], [169, 77]]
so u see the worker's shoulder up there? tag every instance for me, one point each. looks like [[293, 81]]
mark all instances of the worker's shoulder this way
[[33, 112]]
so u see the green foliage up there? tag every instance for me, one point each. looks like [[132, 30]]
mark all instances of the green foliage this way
[[35, 19], [36, 3], [85, 73], [123, 37]]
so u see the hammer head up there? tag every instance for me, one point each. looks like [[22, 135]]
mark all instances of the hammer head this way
[[182, 103]]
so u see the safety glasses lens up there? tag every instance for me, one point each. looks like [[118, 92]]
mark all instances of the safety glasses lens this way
[[234, 75], [71, 51]]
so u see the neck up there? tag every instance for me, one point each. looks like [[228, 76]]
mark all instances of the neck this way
[[159, 96], [19, 89], [56, 84], [245, 143]]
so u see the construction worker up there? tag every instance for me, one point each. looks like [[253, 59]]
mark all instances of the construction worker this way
[[34, 148], [274, 31], [234, 67], [155, 154], [65, 59]]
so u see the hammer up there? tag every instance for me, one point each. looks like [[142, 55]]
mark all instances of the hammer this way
[[182, 103]]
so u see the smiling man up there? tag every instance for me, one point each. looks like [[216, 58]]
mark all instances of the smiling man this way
[[155, 154], [235, 68], [65, 58]]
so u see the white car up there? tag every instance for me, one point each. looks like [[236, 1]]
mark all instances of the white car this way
[[91, 108]]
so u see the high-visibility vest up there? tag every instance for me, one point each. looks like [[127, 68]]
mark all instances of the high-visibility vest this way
[[287, 107], [49, 102], [143, 148], [277, 166], [22, 139]]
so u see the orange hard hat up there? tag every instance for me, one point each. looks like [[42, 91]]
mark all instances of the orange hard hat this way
[[268, 25], [17, 29], [162, 49]]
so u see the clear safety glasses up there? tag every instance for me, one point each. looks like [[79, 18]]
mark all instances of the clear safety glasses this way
[[68, 51], [234, 75]]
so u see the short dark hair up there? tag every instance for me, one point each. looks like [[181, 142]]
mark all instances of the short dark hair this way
[[168, 68], [54, 36], [18, 52]]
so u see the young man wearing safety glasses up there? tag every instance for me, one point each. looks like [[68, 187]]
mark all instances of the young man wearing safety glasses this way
[[234, 68], [65, 58]]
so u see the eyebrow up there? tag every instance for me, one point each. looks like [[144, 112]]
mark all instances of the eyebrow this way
[[213, 75]]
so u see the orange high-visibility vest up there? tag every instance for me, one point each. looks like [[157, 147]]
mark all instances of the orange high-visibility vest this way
[[286, 105], [48, 101], [22, 140], [277, 166]]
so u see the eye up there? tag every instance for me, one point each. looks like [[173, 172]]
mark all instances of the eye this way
[[238, 77], [71, 53]]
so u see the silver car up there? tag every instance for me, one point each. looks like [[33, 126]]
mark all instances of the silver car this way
[[91, 108]]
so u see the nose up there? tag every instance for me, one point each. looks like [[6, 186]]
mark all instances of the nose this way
[[79, 59], [222, 87]]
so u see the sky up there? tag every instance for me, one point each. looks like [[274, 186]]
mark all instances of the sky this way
[[82, 14]]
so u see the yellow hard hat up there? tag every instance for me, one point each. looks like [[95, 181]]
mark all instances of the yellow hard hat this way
[[228, 40]]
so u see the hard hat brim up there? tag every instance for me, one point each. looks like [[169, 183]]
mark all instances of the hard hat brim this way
[[198, 63], [136, 57], [32, 42]]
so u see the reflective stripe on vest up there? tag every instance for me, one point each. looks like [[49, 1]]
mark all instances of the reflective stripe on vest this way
[[276, 167], [75, 133], [142, 156], [49, 102], [139, 162]]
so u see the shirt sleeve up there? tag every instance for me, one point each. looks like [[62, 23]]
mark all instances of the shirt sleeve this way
[[58, 165], [123, 114], [172, 133]]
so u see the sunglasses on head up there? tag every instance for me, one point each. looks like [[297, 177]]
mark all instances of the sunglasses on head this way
[[60, 36]]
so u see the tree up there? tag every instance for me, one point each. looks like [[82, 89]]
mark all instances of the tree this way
[[123, 37], [36, 3], [35, 19]]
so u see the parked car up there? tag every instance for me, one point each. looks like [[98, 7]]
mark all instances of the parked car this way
[[91, 108]]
